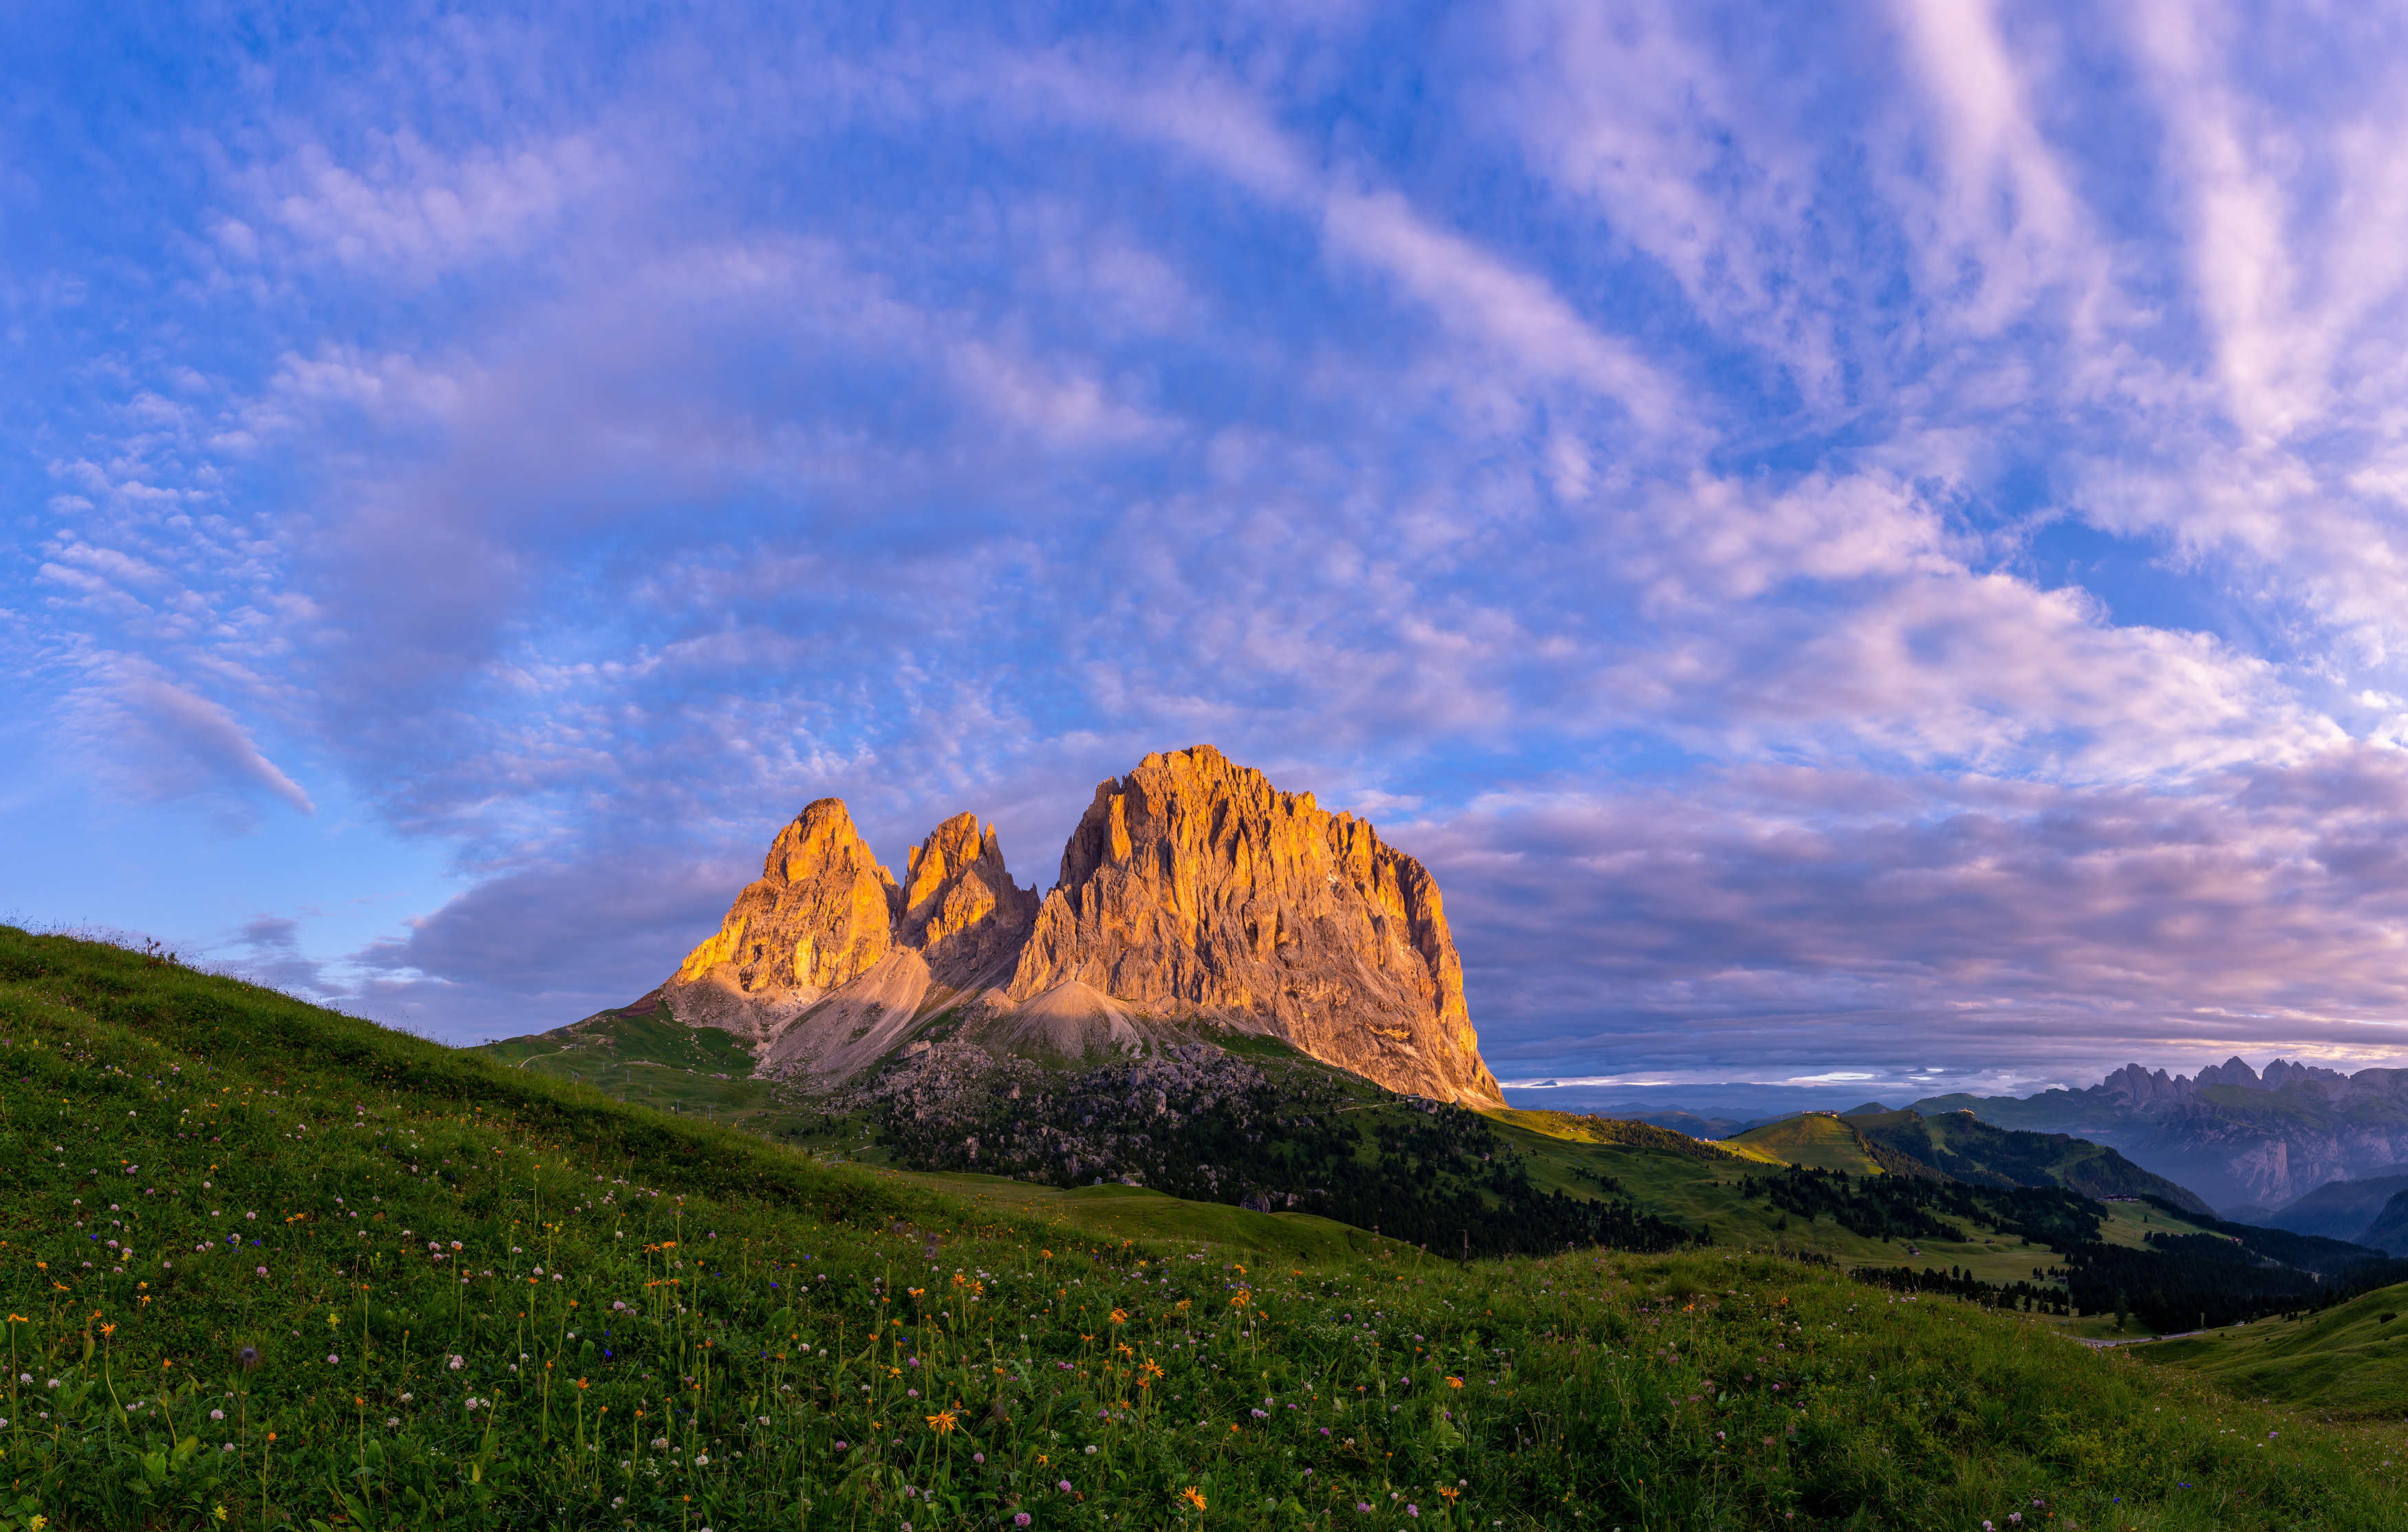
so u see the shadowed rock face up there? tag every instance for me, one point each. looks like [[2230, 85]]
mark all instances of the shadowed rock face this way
[[1192, 891], [961, 909], [1194, 884]]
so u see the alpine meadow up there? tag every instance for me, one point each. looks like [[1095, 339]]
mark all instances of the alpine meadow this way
[[271, 1266]]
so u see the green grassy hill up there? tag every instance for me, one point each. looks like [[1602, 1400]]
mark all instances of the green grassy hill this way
[[270, 1266], [1964, 1147], [654, 1060], [2349, 1361], [1819, 1140]]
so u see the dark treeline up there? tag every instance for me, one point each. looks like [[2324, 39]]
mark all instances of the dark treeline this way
[[2176, 1282], [1897, 1208]]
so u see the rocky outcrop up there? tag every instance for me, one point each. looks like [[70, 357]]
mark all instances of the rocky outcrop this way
[[961, 909], [1193, 885], [821, 914], [1193, 897], [828, 963]]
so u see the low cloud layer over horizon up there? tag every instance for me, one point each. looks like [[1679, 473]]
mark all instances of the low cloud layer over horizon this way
[[1861, 544]]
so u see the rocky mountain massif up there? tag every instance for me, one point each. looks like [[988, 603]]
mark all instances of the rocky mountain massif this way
[[1195, 901], [2250, 1142]]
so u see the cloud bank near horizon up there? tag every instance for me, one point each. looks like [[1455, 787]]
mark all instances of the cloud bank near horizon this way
[[1847, 542]]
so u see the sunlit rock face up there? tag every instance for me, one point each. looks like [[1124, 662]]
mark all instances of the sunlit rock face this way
[[821, 914], [1192, 883], [1194, 896]]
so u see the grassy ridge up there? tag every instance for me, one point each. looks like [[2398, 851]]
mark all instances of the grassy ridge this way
[[480, 1297], [1814, 1139]]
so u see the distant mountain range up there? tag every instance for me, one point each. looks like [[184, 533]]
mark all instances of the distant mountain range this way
[[2249, 1142], [2257, 1145]]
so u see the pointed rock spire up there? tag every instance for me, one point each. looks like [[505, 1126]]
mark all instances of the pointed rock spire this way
[[1193, 883], [821, 913]]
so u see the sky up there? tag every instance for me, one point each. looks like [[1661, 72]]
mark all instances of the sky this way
[[1862, 544]]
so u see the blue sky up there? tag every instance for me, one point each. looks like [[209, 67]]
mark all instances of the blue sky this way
[[1858, 543]]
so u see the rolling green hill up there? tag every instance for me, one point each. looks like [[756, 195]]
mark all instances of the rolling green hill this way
[[2348, 1361], [654, 1060], [266, 1266], [1819, 1140], [1962, 1147]]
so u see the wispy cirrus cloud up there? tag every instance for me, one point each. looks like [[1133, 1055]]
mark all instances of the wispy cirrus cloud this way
[[1825, 529]]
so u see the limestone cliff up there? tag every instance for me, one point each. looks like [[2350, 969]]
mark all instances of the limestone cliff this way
[[1194, 884], [821, 914], [961, 908], [1194, 896]]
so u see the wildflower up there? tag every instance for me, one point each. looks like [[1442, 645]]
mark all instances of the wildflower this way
[[1413, 1511], [216, 1414], [843, 1448], [1363, 1506], [1063, 1486], [1455, 1382], [247, 1358], [1020, 1520], [332, 1359], [458, 1362], [1120, 1316], [941, 1423], [1192, 1495]]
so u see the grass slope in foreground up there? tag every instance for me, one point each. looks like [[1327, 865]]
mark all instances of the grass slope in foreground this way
[[480, 1298]]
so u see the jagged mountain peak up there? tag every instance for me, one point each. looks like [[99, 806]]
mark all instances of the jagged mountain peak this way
[[1194, 895]]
